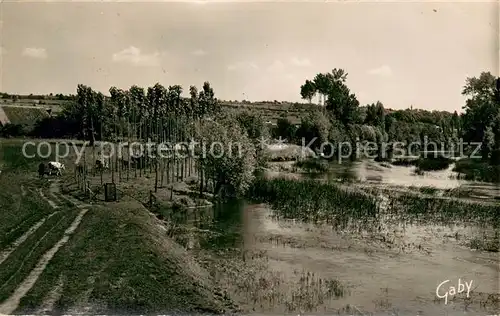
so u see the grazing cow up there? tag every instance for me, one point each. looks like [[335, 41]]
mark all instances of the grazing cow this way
[[56, 167]]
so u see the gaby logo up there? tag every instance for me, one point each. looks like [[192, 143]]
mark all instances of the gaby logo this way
[[441, 291]]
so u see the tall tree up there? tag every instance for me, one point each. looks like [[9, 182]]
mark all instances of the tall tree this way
[[341, 102], [86, 103]]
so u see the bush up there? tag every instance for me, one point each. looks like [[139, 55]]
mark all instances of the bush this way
[[12, 130], [315, 125], [313, 164], [285, 129], [475, 169], [234, 169], [433, 164], [253, 124]]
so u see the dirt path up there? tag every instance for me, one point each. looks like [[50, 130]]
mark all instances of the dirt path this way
[[51, 299], [52, 203], [11, 304], [6, 253]]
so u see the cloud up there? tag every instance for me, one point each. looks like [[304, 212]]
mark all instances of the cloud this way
[[199, 52], [276, 66], [134, 56], [384, 71], [32, 52], [242, 65], [300, 62]]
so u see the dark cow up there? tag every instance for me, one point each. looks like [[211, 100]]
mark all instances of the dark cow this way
[[41, 170]]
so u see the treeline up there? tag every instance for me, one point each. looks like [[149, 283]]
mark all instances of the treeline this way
[[339, 117], [59, 97], [136, 112]]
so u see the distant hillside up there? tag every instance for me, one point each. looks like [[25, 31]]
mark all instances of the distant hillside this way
[[22, 115]]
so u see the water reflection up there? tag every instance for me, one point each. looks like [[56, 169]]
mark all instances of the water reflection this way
[[384, 174], [225, 221], [218, 226]]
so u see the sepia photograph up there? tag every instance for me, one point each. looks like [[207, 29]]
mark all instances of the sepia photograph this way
[[250, 158]]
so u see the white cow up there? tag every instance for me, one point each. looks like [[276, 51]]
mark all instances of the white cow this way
[[57, 167]]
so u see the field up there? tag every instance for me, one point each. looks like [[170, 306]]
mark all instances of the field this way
[[21, 115], [31, 109], [341, 248]]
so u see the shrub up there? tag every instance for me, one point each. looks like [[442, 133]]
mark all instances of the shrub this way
[[433, 164], [231, 167]]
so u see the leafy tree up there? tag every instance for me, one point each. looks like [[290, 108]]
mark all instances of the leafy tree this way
[[232, 166], [285, 129], [343, 104], [308, 90], [322, 84], [375, 114], [314, 125], [480, 108], [495, 155], [253, 125]]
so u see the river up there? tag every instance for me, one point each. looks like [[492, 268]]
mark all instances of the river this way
[[393, 272]]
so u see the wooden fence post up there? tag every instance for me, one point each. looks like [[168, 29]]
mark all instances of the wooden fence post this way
[[88, 190], [150, 198]]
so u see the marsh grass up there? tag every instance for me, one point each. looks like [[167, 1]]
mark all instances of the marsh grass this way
[[429, 190], [428, 208], [313, 201], [433, 163], [259, 288], [485, 242], [405, 162], [347, 209], [312, 291], [312, 165]]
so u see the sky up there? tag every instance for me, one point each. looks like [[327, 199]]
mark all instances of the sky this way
[[400, 53]]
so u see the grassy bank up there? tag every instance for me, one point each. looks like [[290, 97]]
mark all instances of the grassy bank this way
[[121, 261], [424, 164], [312, 164]]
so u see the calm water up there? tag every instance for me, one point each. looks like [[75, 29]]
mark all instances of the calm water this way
[[384, 175], [396, 269]]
